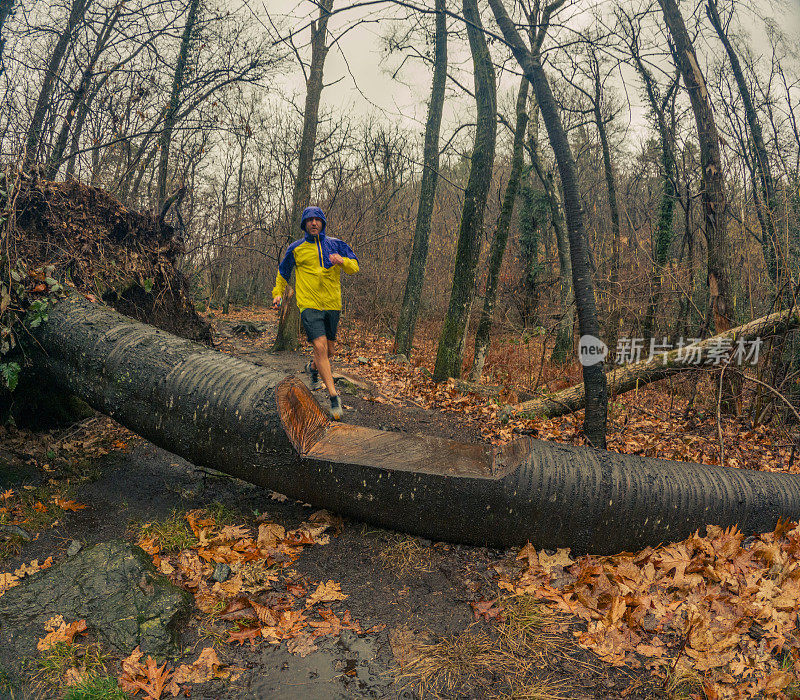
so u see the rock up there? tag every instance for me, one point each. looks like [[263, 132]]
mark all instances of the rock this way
[[248, 328], [74, 547], [399, 357], [113, 586], [221, 572]]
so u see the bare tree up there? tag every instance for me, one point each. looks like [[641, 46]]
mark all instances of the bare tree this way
[[171, 116], [768, 215], [404, 337], [450, 353], [530, 60], [288, 337], [33, 140], [498, 247]]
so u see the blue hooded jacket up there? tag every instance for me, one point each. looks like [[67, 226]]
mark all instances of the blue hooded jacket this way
[[317, 278]]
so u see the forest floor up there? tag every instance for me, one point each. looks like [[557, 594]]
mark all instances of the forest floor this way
[[341, 609]]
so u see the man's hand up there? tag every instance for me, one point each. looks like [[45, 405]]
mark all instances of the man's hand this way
[[336, 259], [276, 302]]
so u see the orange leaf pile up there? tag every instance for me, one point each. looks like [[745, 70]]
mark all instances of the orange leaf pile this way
[[263, 597], [727, 605]]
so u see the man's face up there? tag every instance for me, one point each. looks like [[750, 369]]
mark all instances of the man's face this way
[[313, 226]]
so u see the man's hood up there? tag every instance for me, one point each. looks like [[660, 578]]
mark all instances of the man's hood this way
[[313, 213]]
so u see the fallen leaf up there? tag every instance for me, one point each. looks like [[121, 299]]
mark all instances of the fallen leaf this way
[[326, 593], [302, 645], [250, 634], [60, 631]]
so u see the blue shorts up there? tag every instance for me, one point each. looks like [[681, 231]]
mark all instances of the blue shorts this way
[[317, 323]]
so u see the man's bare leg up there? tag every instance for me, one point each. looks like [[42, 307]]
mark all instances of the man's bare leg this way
[[323, 364]]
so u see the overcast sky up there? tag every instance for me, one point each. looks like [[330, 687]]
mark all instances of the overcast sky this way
[[360, 79]]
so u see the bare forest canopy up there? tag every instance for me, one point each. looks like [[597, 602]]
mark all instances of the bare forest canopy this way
[[646, 185]]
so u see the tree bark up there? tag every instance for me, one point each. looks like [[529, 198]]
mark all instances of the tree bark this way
[[288, 337], [562, 347], [645, 372], [251, 422], [594, 377], [761, 156], [34, 135], [54, 161], [498, 247], [612, 330], [450, 353], [6, 10], [409, 311], [171, 114], [714, 204]]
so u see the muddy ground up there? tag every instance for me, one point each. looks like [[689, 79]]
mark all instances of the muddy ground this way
[[399, 600]]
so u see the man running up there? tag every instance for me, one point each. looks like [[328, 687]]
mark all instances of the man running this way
[[317, 260]]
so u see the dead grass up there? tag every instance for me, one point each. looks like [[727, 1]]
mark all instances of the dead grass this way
[[75, 664], [456, 662], [541, 689], [507, 664], [682, 682], [528, 626], [405, 556]]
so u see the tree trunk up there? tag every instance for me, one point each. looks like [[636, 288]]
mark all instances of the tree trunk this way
[[612, 330], [715, 214], [171, 115], [409, 311], [450, 353], [498, 247], [34, 136], [562, 348], [234, 232], [288, 337], [249, 421], [769, 217], [6, 10], [594, 377], [641, 373], [54, 161], [714, 204]]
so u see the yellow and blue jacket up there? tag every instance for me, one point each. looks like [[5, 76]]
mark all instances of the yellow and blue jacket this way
[[317, 280]]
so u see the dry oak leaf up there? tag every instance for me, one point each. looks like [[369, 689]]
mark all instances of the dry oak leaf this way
[[65, 504], [486, 609], [150, 545], [59, 631], [8, 581], [560, 558], [326, 593], [529, 552], [33, 567], [777, 681], [207, 667], [245, 634], [233, 532], [269, 534], [156, 678], [228, 589], [266, 616]]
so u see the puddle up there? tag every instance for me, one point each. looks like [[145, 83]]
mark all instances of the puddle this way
[[345, 668]]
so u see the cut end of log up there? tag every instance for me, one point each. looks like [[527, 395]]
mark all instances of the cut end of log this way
[[302, 417]]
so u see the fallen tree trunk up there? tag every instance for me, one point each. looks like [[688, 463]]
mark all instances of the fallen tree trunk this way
[[691, 357], [254, 423]]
